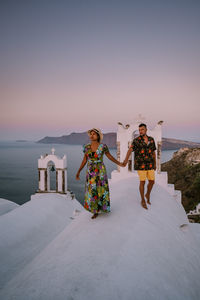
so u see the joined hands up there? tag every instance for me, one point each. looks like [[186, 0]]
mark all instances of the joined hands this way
[[123, 164]]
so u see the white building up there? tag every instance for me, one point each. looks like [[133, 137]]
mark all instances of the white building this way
[[195, 211]]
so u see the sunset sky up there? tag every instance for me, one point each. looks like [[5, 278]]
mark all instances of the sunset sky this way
[[67, 66]]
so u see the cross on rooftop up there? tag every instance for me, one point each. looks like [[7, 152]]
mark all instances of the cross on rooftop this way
[[139, 119]]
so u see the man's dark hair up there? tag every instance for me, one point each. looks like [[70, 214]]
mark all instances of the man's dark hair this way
[[142, 124]]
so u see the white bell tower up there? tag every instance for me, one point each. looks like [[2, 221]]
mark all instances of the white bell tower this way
[[45, 163]]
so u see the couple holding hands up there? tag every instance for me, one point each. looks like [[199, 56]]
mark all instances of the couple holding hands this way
[[97, 196]]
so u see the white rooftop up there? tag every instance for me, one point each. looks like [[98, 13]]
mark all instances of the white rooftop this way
[[130, 253]]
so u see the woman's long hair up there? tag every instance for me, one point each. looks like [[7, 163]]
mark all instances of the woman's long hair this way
[[98, 139]]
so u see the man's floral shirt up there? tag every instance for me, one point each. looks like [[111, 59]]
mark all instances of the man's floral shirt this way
[[143, 158]]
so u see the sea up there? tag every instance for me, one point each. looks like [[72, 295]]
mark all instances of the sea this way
[[19, 163]]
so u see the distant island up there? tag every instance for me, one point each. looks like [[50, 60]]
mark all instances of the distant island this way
[[110, 139]]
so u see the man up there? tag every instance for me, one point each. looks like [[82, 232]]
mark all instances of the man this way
[[144, 161]]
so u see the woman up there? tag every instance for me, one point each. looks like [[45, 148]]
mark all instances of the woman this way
[[97, 196]]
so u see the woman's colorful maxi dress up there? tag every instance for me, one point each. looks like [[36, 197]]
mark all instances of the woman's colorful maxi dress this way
[[97, 196]]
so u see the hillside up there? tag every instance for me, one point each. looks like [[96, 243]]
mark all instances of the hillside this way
[[174, 144], [184, 172], [110, 139]]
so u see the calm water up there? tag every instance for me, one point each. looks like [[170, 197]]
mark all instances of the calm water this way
[[19, 174]]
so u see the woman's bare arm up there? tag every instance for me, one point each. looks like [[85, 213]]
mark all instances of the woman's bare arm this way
[[109, 156], [84, 161]]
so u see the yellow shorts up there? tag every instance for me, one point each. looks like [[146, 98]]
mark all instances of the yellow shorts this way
[[146, 174]]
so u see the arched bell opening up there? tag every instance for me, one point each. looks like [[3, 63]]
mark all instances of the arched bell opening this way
[[135, 134], [51, 176]]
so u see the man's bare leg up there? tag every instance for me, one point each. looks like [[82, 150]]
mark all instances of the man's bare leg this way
[[149, 188], [143, 202]]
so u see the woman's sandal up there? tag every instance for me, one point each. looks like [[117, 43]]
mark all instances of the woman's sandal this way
[[94, 216]]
